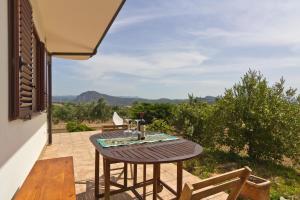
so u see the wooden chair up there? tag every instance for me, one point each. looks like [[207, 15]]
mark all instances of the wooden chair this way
[[231, 181], [118, 124], [117, 120]]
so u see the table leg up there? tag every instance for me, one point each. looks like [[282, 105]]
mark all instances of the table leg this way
[[179, 178], [96, 173], [106, 179], [155, 180], [134, 174], [158, 169], [144, 180], [125, 174], [159, 186]]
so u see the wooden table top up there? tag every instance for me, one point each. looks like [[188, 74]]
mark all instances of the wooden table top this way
[[149, 153]]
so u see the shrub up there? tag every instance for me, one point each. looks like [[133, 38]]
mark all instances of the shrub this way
[[261, 120], [152, 111], [101, 111], [161, 126], [63, 112], [74, 126], [122, 111], [82, 111], [194, 120]]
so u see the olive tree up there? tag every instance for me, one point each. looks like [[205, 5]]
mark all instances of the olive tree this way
[[194, 120], [101, 111], [262, 120]]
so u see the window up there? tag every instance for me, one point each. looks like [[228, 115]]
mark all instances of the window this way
[[27, 63]]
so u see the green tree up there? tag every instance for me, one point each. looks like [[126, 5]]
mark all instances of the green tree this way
[[261, 120], [194, 119], [101, 111], [122, 111], [152, 111], [81, 112], [161, 126], [63, 112]]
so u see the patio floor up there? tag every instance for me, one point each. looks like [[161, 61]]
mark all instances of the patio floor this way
[[83, 152]]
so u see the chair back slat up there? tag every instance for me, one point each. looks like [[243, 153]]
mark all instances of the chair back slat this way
[[216, 189], [219, 178], [232, 181], [236, 191]]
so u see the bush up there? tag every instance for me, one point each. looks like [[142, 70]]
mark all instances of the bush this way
[[160, 126], [63, 112], [82, 111], [122, 111], [74, 126], [101, 111], [152, 111], [194, 120], [260, 120]]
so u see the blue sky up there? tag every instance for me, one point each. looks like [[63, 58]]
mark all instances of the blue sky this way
[[163, 48]]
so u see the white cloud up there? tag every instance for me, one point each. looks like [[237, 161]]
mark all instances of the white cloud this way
[[195, 46], [147, 66], [266, 22], [125, 22]]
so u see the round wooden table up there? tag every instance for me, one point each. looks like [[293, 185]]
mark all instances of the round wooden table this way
[[156, 153]]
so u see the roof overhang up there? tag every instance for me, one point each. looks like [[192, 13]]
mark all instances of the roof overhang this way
[[73, 29]]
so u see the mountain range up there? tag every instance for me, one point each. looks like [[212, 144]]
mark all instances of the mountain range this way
[[90, 96]]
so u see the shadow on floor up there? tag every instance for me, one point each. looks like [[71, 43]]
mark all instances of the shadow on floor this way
[[116, 176], [89, 194]]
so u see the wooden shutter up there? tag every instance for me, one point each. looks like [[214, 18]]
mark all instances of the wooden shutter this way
[[13, 49], [26, 59], [21, 59], [41, 85]]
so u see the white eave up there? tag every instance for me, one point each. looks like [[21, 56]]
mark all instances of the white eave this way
[[73, 29]]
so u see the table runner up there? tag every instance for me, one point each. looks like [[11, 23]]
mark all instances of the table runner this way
[[114, 142]]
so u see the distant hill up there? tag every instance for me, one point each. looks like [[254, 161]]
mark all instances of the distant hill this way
[[90, 96], [120, 101], [61, 99]]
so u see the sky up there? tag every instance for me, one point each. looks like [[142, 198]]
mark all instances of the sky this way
[[163, 48]]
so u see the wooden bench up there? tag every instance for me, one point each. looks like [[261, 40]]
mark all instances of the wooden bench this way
[[49, 179]]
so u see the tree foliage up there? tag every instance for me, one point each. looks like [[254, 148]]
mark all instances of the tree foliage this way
[[100, 111], [160, 125], [152, 111], [74, 126], [194, 119], [252, 118], [261, 120], [94, 111], [63, 112]]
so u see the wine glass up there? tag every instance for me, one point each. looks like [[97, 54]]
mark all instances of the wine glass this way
[[129, 126]]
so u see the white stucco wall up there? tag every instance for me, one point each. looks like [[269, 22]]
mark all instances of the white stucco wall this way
[[21, 142]]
